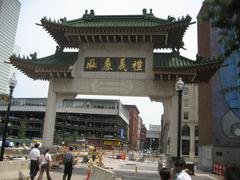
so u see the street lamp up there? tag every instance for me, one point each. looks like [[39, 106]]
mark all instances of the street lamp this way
[[63, 131], [12, 84], [179, 89], [64, 127]]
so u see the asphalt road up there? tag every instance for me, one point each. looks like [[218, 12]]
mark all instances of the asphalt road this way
[[123, 168]]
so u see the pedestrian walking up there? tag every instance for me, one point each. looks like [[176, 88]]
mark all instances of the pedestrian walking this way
[[94, 154], [181, 173], [34, 161], [232, 172], [165, 174], [68, 161], [45, 165]]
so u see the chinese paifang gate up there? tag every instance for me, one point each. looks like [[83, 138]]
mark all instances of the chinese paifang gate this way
[[116, 56]]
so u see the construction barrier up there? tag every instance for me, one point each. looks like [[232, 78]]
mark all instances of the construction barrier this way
[[132, 156], [221, 170], [14, 170], [98, 173], [214, 168], [218, 169], [57, 159]]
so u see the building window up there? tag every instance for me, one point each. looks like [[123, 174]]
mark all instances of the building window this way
[[196, 131], [185, 130], [185, 91], [185, 103], [185, 115], [185, 147], [196, 147]]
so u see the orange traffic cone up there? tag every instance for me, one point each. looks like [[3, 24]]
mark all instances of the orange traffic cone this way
[[88, 175]]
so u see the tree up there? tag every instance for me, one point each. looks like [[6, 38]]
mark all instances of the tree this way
[[57, 139], [75, 135], [225, 15], [22, 129]]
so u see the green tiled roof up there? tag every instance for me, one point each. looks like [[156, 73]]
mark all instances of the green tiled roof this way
[[174, 60], [59, 66], [91, 20], [115, 28], [60, 59], [117, 21], [160, 60]]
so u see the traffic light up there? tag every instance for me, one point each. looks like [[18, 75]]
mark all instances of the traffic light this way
[[4, 97]]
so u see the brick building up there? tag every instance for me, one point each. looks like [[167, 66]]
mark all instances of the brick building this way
[[133, 126], [219, 102], [143, 136]]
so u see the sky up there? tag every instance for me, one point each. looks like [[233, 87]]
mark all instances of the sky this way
[[33, 38]]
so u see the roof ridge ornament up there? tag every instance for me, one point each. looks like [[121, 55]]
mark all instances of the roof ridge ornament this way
[[63, 20], [171, 18], [90, 15], [34, 56], [144, 11], [147, 15], [175, 51], [59, 49]]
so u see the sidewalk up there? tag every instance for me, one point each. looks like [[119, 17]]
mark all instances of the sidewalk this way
[[126, 168], [206, 175]]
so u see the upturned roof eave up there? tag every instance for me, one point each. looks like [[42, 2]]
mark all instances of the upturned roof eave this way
[[30, 65], [65, 27], [58, 32], [214, 65]]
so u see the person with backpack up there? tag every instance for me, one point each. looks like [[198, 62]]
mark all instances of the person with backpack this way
[[68, 161], [45, 165]]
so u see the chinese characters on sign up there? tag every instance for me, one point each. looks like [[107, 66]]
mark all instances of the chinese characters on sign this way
[[115, 64]]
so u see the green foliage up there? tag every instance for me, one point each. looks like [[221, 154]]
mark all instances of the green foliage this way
[[225, 15], [75, 135], [68, 139], [57, 139], [22, 129]]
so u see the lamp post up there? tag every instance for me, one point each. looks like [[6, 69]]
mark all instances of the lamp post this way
[[179, 88], [63, 131], [64, 127], [12, 84]]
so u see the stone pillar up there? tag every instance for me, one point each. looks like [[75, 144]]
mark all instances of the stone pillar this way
[[50, 116], [192, 142], [170, 110], [166, 132]]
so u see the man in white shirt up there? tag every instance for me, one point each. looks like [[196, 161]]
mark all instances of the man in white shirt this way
[[45, 165], [181, 174], [34, 163]]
